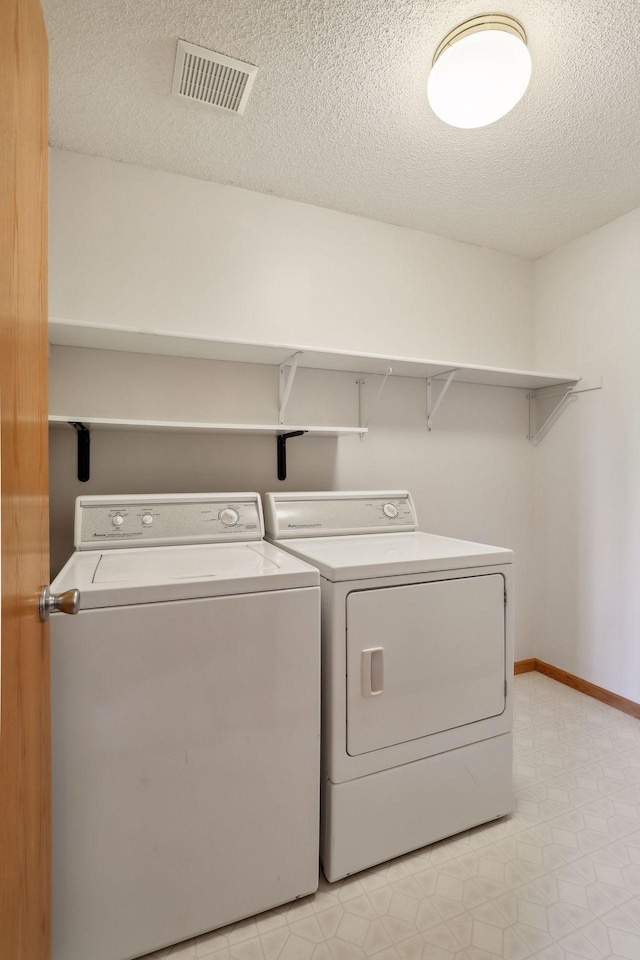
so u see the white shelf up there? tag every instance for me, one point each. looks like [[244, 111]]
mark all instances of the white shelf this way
[[100, 336], [176, 426]]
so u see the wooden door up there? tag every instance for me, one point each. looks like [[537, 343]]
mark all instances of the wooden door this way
[[24, 541]]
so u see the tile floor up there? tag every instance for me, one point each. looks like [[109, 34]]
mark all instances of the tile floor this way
[[559, 879]]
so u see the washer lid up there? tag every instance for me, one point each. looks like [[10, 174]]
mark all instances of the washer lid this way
[[392, 554], [181, 563], [144, 575]]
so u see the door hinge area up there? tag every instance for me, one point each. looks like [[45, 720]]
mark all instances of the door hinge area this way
[[505, 689], [505, 596]]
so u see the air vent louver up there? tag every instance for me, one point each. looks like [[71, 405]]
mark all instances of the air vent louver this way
[[211, 78]]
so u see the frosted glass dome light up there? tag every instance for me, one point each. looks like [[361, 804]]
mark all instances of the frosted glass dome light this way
[[480, 71]]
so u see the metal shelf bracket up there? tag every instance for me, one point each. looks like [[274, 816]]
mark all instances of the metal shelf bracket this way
[[432, 408], [567, 395], [362, 423], [282, 451], [285, 382], [84, 450]]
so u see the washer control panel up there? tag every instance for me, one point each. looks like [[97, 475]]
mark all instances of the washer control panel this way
[[335, 514], [103, 522], [229, 516]]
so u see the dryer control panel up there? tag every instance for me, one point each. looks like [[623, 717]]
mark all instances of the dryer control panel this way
[[334, 514], [163, 520]]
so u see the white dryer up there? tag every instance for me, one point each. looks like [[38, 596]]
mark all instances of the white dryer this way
[[417, 658], [185, 724]]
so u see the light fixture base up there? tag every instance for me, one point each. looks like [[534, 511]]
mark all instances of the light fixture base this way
[[488, 21]]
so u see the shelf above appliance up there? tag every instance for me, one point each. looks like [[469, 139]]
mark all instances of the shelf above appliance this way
[[176, 426], [99, 336], [85, 425]]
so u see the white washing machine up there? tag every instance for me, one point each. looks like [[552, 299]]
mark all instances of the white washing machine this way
[[185, 724], [417, 659]]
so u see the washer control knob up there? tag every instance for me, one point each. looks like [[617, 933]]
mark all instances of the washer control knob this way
[[147, 519], [229, 516], [118, 520], [390, 510]]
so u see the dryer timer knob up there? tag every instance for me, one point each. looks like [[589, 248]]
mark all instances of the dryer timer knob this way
[[390, 510], [118, 520], [229, 517]]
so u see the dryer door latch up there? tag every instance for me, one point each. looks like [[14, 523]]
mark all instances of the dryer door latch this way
[[372, 671]]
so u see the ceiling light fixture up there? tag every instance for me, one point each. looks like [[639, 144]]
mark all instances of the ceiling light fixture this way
[[480, 71]]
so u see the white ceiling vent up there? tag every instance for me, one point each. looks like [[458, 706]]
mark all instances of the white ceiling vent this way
[[210, 78]]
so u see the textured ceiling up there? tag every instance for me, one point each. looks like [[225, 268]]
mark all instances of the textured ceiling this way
[[338, 115]]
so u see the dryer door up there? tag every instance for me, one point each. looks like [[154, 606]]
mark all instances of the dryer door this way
[[422, 659]]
